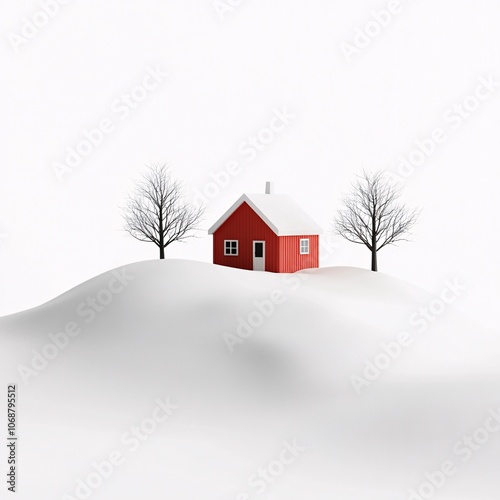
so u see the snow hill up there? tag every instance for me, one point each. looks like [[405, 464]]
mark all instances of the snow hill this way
[[184, 380]]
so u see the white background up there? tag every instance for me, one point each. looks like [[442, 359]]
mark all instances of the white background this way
[[225, 78]]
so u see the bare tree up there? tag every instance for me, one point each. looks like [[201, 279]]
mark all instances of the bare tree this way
[[157, 213], [372, 216]]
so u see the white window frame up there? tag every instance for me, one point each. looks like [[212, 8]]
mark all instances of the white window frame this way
[[306, 242], [230, 254]]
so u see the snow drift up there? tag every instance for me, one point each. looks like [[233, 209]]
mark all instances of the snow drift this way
[[179, 379]]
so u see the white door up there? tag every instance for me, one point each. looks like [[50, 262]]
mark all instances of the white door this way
[[259, 255]]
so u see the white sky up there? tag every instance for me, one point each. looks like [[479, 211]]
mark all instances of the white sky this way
[[226, 78]]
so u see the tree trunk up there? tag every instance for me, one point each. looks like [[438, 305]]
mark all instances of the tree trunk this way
[[160, 233], [374, 244], [374, 260]]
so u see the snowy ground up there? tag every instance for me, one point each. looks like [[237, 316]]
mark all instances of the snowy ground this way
[[151, 382]]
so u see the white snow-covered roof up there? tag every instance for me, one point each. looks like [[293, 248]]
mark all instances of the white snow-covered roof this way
[[282, 214]]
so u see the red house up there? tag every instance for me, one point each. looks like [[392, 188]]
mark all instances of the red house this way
[[266, 232]]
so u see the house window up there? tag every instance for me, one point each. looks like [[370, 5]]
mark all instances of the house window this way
[[304, 247], [231, 247]]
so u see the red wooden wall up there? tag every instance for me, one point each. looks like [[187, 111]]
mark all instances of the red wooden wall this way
[[289, 254], [246, 226]]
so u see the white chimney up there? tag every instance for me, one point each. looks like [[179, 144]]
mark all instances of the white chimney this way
[[269, 187]]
